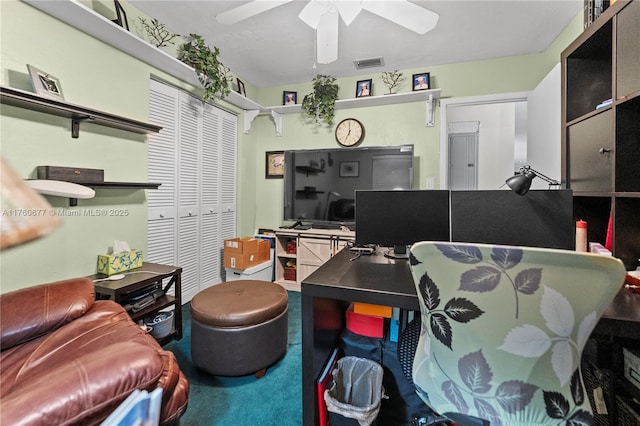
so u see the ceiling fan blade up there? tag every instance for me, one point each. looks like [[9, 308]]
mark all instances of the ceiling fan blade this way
[[312, 13], [404, 13], [327, 38], [348, 10], [248, 10]]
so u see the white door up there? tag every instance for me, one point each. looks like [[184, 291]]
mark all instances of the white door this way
[[194, 158], [162, 206], [463, 156]]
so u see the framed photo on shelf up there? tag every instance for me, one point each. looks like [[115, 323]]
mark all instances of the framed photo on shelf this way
[[363, 88], [121, 16], [45, 84], [349, 168], [241, 87], [421, 81], [274, 167], [289, 98]]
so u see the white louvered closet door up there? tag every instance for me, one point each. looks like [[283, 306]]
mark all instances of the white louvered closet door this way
[[162, 206], [210, 177], [202, 166], [228, 164], [188, 193]]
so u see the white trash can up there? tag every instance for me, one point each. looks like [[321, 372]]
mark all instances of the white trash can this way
[[261, 272]]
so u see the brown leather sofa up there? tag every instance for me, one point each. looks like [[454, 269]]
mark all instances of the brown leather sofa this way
[[68, 359]]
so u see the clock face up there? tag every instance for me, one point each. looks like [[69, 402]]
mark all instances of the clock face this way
[[349, 132]]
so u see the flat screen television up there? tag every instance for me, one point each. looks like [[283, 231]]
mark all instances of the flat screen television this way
[[320, 184], [540, 218], [400, 218]]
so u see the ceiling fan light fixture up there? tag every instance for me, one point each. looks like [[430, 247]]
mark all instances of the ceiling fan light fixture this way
[[369, 62]]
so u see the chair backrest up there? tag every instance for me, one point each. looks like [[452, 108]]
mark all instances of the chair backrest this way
[[503, 329]]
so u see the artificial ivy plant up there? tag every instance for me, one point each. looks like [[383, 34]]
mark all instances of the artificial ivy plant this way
[[212, 74], [320, 104]]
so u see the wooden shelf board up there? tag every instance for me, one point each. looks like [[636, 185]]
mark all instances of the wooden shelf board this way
[[28, 100]]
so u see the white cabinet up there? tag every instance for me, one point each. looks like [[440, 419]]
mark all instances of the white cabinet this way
[[194, 158], [301, 252]]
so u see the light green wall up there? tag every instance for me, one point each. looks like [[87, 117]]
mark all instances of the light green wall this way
[[392, 124], [96, 75]]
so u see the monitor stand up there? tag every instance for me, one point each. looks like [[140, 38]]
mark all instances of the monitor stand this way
[[398, 252]]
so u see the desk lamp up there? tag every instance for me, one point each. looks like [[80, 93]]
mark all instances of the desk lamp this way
[[521, 182]]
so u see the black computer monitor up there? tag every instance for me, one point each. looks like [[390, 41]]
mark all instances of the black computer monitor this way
[[400, 218], [540, 218]]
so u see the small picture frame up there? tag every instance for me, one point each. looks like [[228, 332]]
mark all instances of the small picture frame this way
[[241, 87], [289, 98], [121, 16], [45, 84], [421, 81], [274, 167], [349, 168], [363, 88]]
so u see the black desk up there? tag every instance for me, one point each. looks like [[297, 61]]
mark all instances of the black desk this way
[[376, 279]]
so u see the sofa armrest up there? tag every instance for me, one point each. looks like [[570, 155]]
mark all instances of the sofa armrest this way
[[34, 311]]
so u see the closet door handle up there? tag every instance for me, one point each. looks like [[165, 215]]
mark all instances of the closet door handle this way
[[604, 150]]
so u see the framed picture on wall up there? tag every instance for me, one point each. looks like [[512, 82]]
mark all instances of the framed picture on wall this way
[[274, 167], [241, 87], [363, 88], [289, 98], [45, 84], [421, 81], [349, 168]]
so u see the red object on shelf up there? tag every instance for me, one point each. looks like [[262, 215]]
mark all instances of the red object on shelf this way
[[364, 325], [291, 247], [290, 274], [608, 244]]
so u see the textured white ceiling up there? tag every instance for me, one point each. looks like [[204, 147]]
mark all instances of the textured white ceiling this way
[[276, 48]]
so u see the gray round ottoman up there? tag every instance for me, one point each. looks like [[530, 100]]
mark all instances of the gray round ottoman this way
[[239, 327]]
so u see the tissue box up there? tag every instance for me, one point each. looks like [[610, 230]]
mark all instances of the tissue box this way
[[110, 264]]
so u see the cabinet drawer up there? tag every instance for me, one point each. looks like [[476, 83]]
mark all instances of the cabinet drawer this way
[[590, 153]]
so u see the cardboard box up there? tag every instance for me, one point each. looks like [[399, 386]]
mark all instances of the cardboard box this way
[[244, 245], [242, 253], [110, 264], [365, 325], [632, 365], [369, 309], [239, 260], [264, 250]]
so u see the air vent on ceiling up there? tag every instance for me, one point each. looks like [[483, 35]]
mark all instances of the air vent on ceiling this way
[[369, 63]]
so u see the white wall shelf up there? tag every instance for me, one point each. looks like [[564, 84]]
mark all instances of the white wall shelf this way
[[88, 21]]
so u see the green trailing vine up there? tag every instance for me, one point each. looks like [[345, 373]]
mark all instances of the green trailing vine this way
[[320, 104], [212, 74]]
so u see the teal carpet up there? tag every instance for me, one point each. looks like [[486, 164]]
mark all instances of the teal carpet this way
[[273, 400]]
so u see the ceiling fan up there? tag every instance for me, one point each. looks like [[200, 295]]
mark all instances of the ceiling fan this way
[[322, 16]]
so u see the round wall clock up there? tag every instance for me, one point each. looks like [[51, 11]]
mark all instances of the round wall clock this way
[[349, 132]]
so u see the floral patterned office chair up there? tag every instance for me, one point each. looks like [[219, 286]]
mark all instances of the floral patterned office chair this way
[[503, 329]]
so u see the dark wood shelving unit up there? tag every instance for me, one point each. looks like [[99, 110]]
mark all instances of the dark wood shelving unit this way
[[601, 150], [77, 114], [600, 146]]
